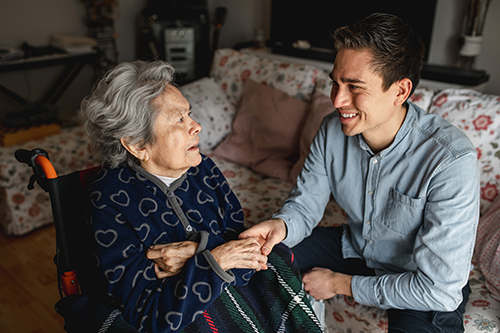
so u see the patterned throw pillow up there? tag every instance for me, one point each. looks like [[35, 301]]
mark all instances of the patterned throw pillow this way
[[422, 97], [488, 248], [211, 108], [231, 68], [478, 116]]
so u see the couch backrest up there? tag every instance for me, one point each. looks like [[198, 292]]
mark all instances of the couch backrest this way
[[230, 69], [476, 114]]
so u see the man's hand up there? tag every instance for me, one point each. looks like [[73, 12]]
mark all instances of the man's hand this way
[[241, 253], [322, 283], [267, 233], [170, 258]]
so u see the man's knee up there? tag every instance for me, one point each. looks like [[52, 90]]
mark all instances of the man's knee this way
[[408, 321]]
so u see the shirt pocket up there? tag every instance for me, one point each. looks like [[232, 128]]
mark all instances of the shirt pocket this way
[[403, 214]]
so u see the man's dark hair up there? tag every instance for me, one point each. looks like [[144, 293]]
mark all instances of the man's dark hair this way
[[396, 48]]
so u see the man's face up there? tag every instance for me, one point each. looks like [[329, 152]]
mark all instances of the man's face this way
[[363, 106]]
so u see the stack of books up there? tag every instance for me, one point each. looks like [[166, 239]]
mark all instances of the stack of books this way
[[74, 44]]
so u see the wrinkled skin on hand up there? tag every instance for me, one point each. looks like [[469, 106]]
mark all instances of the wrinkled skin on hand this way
[[241, 253], [170, 258]]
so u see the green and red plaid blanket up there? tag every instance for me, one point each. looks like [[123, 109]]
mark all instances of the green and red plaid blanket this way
[[273, 301]]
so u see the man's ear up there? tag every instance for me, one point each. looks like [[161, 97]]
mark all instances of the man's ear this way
[[404, 89], [137, 150]]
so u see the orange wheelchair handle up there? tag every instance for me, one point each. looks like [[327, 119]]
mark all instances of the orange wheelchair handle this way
[[37, 158], [47, 167]]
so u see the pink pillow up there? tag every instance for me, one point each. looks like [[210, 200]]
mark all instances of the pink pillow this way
[[266, 131], [321, 105], [488, 248]]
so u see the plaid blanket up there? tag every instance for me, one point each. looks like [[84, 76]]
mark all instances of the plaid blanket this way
[[273, 301]]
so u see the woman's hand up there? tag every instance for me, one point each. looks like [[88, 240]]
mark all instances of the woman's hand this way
[[170, 258], [242, 253]]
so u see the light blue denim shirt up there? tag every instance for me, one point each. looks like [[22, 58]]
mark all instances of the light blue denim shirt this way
[[412, 209]]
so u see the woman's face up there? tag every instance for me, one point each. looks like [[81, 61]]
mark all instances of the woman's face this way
[[176, 148]]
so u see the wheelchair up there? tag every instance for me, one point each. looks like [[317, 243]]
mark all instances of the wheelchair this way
[[69, 198], [81, 305]]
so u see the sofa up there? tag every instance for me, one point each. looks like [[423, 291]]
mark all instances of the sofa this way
[[258, 117]]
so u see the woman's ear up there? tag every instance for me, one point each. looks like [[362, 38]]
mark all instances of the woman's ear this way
[[404, 90], [137, 150]]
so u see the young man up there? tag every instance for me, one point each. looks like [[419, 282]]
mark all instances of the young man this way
[[407, 180]]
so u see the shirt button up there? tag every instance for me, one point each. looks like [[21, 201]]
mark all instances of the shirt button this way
[[189, 228], [375, 161], [368, 222], [370, 192], [371, 241]]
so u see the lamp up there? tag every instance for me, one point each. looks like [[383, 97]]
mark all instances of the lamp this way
[[472, 40]]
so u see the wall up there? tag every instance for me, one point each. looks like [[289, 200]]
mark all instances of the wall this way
[[243, 17], [448, 24], [33, 21]]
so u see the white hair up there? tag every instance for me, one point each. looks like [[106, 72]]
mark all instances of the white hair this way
[[121, 106]]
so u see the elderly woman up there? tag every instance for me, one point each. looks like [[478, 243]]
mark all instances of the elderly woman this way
[[164, 219]]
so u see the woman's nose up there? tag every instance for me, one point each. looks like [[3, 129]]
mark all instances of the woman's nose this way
[[195, 127]]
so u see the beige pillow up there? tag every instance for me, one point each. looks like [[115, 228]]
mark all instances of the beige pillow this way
[[266, 131], [321, 105]]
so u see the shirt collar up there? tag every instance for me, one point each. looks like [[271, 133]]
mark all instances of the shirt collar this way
[[405, 128], [157, 181]]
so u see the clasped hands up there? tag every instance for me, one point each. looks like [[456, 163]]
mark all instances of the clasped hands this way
[[249, 251], [242, 253], [320, 283]]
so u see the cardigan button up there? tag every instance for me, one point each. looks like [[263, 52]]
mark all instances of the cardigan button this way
[[170, 194]]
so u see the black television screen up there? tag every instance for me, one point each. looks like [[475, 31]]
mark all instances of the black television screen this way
[[315, 20]]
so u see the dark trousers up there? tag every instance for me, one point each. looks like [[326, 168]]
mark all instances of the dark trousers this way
[[323, 249]]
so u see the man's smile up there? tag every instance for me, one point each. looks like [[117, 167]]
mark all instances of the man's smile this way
[[347, 115]]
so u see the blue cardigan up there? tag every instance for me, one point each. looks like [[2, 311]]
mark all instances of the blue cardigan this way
[[132, 210]]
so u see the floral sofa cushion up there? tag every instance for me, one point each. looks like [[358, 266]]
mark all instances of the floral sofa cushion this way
[[231, 68], [22, 210], [478, 116], [211, 108]]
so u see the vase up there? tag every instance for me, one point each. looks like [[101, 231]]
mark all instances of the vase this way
[[472, 39]]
